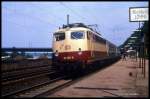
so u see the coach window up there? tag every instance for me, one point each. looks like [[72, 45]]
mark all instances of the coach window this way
[[59, 36], [77, 35]]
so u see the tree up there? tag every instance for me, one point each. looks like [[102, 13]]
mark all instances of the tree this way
[[4, 53], [14, 53], [23, 53]]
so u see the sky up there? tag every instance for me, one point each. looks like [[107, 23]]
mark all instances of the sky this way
[[32, 24]]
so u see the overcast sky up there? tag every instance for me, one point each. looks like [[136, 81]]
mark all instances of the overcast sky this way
[[31, 24]]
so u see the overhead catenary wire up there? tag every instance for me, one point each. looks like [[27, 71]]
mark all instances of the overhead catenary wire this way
[[33, 17], [31, 31], [39, 19], [52, 14], [96, 27], [23, 27], [77, 14]]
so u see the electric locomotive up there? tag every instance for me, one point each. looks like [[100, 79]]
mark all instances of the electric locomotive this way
[[79, 44]]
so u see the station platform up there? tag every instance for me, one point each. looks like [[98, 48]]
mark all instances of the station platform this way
[[121, 79]]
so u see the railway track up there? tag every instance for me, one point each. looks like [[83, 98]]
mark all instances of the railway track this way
[[21, 91], [24, 78], [9, 66], [24, 68], [57, 86], [28, 77], [43, 89], [14, 86], [55, 82], [18, 74]]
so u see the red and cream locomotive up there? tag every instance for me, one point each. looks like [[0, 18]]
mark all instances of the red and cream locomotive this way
[[78, 43]]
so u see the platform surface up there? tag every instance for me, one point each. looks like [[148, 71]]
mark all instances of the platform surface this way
[[121, 79]]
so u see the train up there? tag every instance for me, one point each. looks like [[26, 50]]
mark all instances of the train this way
[[76, 45]]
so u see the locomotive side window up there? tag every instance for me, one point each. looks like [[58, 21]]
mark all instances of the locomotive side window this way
[[77, 35], [99, 39], [59, 36], [88, 35], [94, 38]]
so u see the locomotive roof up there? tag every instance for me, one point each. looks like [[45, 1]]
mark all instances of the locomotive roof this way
[[75, 25], [77, 28]]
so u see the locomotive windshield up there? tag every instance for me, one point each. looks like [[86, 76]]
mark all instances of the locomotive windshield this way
[[59, 36], [77, 35]]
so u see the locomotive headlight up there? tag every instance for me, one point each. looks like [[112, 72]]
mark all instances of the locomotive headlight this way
[[72, 57], [56, 53], [80, 52]]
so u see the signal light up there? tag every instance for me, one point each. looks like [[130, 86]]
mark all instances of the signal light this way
[[56, 53]]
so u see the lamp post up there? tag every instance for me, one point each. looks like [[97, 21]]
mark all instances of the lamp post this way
[[143, 55], [141, 51], [138, 47], [135, 46]]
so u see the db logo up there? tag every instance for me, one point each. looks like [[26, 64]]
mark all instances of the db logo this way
[[67, 47]]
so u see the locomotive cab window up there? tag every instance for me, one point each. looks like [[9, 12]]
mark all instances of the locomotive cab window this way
[[77, 35], [59, 36]]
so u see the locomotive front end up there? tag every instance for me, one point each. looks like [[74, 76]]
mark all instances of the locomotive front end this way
[[70, 46]]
